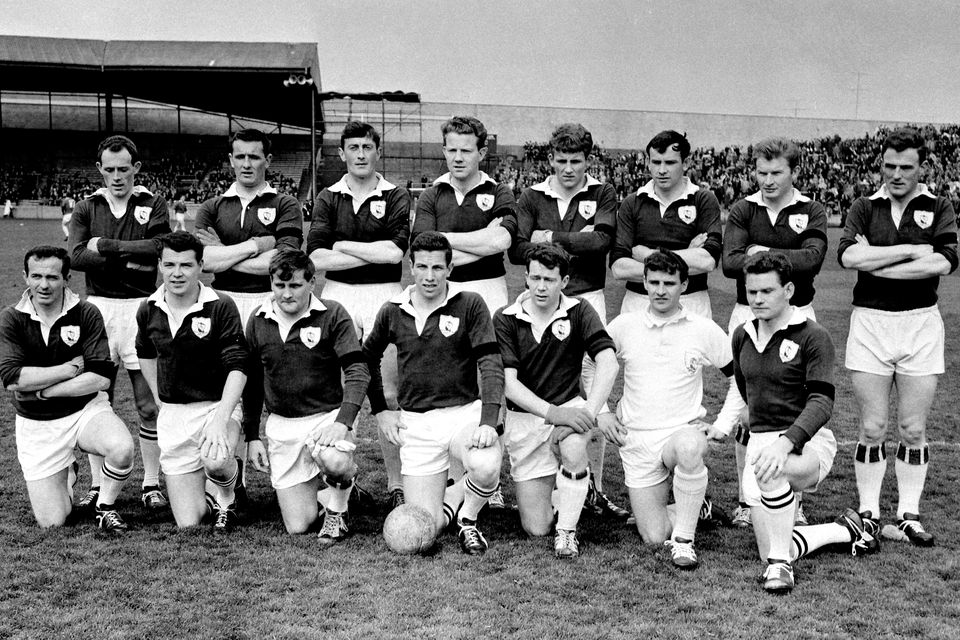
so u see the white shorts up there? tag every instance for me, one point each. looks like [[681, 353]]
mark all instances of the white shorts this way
[[884, 343], [642, 456], [426, 437], [527, 439], [290, 462], [45, 447], [362, 301], [598, 301], [247, 303], [493, 291], [179, 427], [823, 444], [120, 322], [742, 313], [697, 303]]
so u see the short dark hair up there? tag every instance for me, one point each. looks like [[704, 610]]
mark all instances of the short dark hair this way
[[465, 125], [665, 261], [286, 262], [666, 140], [116, 144], [905, 138], [355, 129], [180, 241], [571, 138], [550, 255], [770, 261], [251, 135], [773, 148], [431, 241], [44, 251]]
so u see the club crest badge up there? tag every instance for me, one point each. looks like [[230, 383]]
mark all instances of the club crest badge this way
[[923, 218], [687, 213], [70, 334], [448, 325], [788, 350], [310, 336], [378, 209], [692, 361], [142, 214], [798, 221], [561, 329], [485, 201], [267, 215], [587, 209], [200, 326]]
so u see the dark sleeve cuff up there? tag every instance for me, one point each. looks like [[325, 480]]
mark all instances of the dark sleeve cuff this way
[[348, 414]]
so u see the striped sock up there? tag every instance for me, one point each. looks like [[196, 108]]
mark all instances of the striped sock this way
[[870, 464], [339, 495], [223, 489], [474, 498], [911, 468], [112, 479], [778, 509], [808, 539], [452, 499], [572, 490], [150, 453]]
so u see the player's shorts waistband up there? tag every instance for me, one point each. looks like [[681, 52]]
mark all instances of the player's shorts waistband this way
[[897, 314]]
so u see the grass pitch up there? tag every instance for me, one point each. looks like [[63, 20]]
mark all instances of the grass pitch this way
[[157, 582]]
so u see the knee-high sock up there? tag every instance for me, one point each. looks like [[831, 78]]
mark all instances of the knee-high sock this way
[[740, 440], [474, 497], [911, 469], [571, 492], [808, 539], [870, 464], [391, 462], [150, 453], [96, 464], [689, 489], [778, 506], [452, 499], [111, 482], [339, 494], [224, 487]]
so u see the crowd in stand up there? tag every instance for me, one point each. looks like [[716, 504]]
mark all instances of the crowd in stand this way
[[835, 171]]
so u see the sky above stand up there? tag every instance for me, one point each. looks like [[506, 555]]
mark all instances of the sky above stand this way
[[865, 59]]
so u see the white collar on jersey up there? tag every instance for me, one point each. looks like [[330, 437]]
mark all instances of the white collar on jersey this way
[[159, 298], [341, 186], [269, 311], [403, 298], [649, 190], [757, 198], [445, 179], [652, 320], [136, 191], [25, 305], [548, 190], [516, 309], [232, 191], [883, 193], [796, 318]]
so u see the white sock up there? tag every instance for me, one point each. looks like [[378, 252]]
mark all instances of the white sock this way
[[689, 489], [111, 483], [150, 453], [870, 465], [571, 492], [911, 468], [778, 506]]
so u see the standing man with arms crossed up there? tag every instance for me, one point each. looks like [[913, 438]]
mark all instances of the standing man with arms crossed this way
[[477, 216], [783, 365], [242, 229], [298, 346], [543, 338], [358, 235], [900, 240], [192, 354], [574, 210], [113, 239], [55, 360], [446, 426], [777, 217], [669, 212]]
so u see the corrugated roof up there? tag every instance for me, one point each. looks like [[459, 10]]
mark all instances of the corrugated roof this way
[[56, 51], [283, 56]]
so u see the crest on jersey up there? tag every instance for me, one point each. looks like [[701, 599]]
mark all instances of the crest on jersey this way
[[69, 334], [267, 215], [788, 349], [561, 328], [449, 324], [692, 361], [310, 336], [378, 208], [200, 326], [142, 214], [923, 218], [485, 201], [798, 221], [687, 213], [587, 209]]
